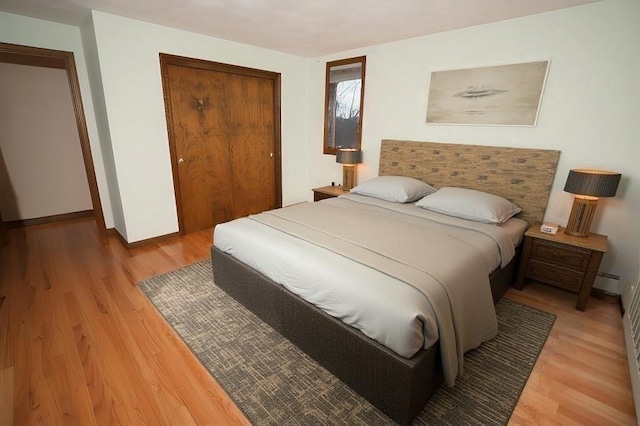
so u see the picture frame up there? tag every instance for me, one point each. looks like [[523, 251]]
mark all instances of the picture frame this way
[[500, 95]]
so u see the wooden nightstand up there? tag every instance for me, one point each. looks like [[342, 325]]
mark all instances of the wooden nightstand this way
[[327, 192], [562, 260]]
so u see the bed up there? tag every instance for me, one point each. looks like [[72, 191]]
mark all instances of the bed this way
[[397, 380]]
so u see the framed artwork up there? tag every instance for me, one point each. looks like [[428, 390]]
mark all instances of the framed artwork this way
[[502, 95]]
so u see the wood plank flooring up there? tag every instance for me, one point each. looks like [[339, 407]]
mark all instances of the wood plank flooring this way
[[81, 344]]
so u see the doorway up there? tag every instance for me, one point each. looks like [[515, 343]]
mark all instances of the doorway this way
[[33, 56], [224, 136]]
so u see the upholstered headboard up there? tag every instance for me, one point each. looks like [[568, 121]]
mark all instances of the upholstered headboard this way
[[523, 176]]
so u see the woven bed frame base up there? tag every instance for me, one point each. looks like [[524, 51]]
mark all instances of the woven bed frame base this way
[[397, 386]]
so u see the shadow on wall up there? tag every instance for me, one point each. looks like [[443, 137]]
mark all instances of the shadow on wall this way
[[8, 200]]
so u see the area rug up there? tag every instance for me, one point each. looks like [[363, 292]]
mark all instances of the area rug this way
[[274, 383]]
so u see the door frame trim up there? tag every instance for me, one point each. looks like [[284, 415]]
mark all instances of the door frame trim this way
[[165, 61], [49, 58]]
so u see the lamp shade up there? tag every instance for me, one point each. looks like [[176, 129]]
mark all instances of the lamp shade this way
[[349, 156], [594, 183]]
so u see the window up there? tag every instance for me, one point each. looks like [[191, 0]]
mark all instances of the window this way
[[344, 97]]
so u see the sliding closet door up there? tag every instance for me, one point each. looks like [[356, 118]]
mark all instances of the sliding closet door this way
[[251, 136], [200, 119], [224, 137]]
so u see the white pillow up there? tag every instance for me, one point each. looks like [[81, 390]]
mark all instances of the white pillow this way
[[397, 189], [470, 204]]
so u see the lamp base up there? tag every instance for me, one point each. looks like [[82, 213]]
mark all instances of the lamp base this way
[[348, 176], [581, 216]]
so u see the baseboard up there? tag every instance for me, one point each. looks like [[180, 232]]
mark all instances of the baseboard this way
[[135, 244], [614, 299], [22, 223]]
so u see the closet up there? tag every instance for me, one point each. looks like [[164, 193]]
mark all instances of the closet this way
[[224, 136]]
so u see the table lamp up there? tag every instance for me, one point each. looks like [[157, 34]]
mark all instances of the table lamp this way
[[348, 158], [588, 185]]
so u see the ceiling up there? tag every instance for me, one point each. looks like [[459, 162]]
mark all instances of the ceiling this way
[[305, 28]]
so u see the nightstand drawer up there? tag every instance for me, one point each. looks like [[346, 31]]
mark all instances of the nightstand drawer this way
[[560, 254], [555, 275]]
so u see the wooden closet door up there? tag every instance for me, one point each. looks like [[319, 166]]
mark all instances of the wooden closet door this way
[[252, 144], [201, 133], [223, 137]]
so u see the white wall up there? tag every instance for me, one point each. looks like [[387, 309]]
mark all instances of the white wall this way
[[590, 109], [129, 65], [102, 122], [40, 144], [38, 33]]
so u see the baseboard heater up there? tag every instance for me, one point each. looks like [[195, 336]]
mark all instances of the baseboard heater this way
[[631, 324]]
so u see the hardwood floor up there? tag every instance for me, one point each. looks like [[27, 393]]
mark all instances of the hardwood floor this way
[[582, 375], [80, 343]]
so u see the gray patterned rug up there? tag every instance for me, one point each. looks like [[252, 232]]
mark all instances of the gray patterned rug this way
[[273, 382]]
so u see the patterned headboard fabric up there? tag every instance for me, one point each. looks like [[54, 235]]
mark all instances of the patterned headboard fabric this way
[[523, 176]]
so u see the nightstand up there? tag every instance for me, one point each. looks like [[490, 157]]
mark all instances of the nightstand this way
[[561, 260], [327, 192]]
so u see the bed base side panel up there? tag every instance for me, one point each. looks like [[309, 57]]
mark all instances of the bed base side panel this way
[[397, 386], [504, 278]]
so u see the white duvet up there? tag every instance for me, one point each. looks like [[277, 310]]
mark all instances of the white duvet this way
[[382, 307]]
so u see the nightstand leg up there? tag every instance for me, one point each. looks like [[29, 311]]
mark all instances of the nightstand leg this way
[[589, 279]]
